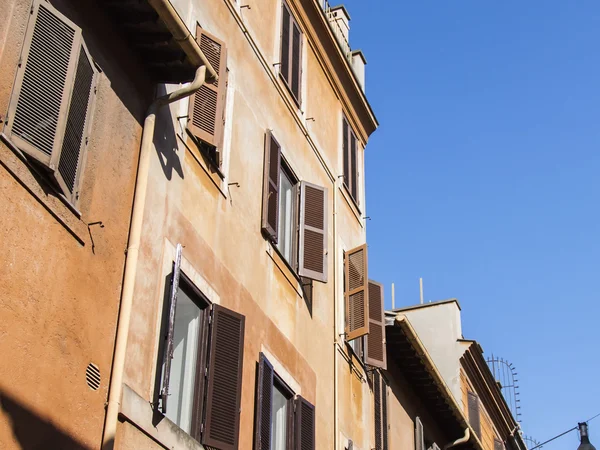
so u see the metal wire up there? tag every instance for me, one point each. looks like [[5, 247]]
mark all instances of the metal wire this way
[[562, 434]]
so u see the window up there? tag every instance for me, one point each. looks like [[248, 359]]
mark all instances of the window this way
[[474, 419], [290, 67], [201, 368], [283, 420], [349, 148], [380, 411], [50, 110], [206, 115], [294, 215]]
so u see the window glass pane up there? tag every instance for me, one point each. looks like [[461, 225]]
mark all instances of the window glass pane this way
[[286, 226], [183, 365], [279, 420]]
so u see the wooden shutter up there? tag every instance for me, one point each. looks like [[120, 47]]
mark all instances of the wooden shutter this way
[[272, 165], [296, 60], [419, 435], [474, 413], [224, 380], [346, 151], [312, 239], [304, 425], [377, 411], [356, 292], [375, 348], [75, 142], [285, 65], [264, 399], [207, 106], [49, 111], [354, 170], [175, 276], [384, 413], [291, 52]]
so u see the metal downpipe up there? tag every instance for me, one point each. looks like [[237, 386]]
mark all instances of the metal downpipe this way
[[135, 231], [459, 441]]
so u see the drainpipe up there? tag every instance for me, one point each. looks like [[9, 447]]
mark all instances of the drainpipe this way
[[135, 231], [182, 35], [335, 313], [459, 441]]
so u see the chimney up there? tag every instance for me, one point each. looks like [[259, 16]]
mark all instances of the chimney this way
[[358, 66], [339, 18]]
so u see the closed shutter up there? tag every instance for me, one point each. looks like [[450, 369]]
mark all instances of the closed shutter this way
[[224, 381], [75, 142], [264, 403], [346, 151], [419, 435], [312, 239], [207, 105], [384, 413], [296, 60], [291, 52], [377, 411], [498, 445], [175, 276], [376, 349], [304, 425], [49, 111], [354, 170], [356, 292], [474, 413], [270, 211], [285, 42]]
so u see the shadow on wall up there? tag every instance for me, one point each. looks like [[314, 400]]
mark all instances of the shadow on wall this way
[[30, 431], [165, 140]]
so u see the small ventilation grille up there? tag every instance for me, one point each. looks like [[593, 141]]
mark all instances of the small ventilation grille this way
[[92, 376]]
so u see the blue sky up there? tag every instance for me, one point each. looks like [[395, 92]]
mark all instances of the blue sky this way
[[483, 179]]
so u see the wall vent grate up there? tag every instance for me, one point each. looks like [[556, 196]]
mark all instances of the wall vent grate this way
[[92, 376]]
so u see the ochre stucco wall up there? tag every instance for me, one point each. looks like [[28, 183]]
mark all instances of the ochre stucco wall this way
[[58, 298]]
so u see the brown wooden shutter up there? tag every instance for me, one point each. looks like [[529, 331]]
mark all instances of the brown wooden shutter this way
[[354, 169], [474, 419], [419, 435], [224, 380], [39, 105], [264, 399], [384, 413], [207, 106], [175, 276], [291, 52], [346, 151], [75, 142], [304, 425], [356, 292], [376, 348], [312, 239], [377, 411], [272, 165], [296, 60], [286, 40]]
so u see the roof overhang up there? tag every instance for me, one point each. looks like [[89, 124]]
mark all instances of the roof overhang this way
[[409, 356]]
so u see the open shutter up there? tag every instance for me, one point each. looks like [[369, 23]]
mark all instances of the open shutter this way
[[164, 391], [419, 435], [376, 352], [39, 104], [75, 142], [356, 292], [304, 425], [312, 239], [207, 105], [224, 381], [474, 413], [377, 411], [270, 211], [264, 403]]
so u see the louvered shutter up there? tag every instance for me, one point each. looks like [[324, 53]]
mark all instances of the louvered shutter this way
[[49, 110], [291, 52], [312, 239], [376, 349], [304, 425], [419, 435], [377, 411], [498, 445], [356, 292], [384, 414], [207, 105], [474, 413], [346, 152], [175, 276], [264, 403], [270, 211], [296, 60], [75, 142], [285, 65], [354, 170], [224, 380]]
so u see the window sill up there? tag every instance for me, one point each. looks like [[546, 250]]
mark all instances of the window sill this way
[[285, 268], [352, 205], [216, 176], [140, 413], [347, 352], [288, 89], [34, 182]]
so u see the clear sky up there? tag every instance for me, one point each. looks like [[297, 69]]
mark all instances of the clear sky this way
[[484, 179]]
